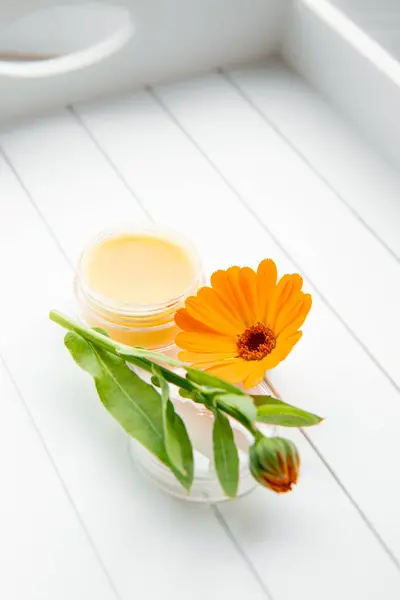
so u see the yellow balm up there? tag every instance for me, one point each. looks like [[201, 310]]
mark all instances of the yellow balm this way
[[131, 284], [140, 269]]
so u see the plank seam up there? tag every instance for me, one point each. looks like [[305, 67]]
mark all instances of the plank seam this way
[[105, 155], [20, 395], [31, 200], [339, 482], [309, 164], [223, 523], [61, 481]]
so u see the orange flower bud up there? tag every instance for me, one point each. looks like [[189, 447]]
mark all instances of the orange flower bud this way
[[274, 463]]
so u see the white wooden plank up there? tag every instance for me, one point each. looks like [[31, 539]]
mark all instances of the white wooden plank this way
[[362, 80], [70, 171], [362, 178], [134, 527], [181, 189], [380, 18], [40, 532], [337, 562], [83, 196], [350, 267]]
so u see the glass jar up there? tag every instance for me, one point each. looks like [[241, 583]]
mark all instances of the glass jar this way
[[152, 326], [199, 423]]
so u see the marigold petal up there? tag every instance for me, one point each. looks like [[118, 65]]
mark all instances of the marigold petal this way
[[286, 317], [266, 283], [297, 319], [248, 284], [220, 283], [256, 374], [288, 344], [234, 371], [280, 297], [202, 342], [187, 323], [198, 357], [287, 305], [233, 274], [210, 317], [205, 366], [212, 300], [281, 351]]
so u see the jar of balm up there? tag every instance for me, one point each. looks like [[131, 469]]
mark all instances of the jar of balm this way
[[131, 282]]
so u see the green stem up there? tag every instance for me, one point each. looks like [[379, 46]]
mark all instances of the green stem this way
[[142, 359], [240, 418], [128, 351], [89, 334], [135, 356], [170, 376]]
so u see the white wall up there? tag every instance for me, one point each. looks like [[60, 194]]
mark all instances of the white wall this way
[[381, 18], [358, 77], [173, 38]]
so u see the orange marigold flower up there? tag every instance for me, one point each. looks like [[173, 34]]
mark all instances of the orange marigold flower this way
[[244, 324]]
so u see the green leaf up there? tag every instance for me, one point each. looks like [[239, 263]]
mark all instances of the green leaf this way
[[286, 415], [260, 400], [187, 455], [177, 442], [242, 404], [226, 456], [82, 353], [155, 381], [131, 352], [208, 380], [133, 403], [186, 394], [102, 331]]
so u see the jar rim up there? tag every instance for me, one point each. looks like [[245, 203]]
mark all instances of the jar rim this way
[[135, 309]]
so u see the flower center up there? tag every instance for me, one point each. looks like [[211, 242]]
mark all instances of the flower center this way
[[256, 342]]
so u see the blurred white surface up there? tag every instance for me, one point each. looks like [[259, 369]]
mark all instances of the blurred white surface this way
[[172, 38], [61, 39], [381, 18]]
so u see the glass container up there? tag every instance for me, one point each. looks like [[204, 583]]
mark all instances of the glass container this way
[[152, 326]]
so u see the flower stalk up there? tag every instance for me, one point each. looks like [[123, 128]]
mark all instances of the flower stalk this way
[[141, 358], [150, 417]]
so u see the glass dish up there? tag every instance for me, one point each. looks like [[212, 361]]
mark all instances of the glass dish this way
[[206, 487]]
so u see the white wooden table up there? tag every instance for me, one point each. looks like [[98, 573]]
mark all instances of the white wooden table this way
[[250, 164]]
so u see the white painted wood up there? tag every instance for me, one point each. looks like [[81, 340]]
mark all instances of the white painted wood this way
[[354, 72], [360, 176], [48, 28], [347, 264], [80, 177], [151, 545], [40, 533], [381, 18], [178, 187], [329, 559], [172, 39], [51, 52]]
